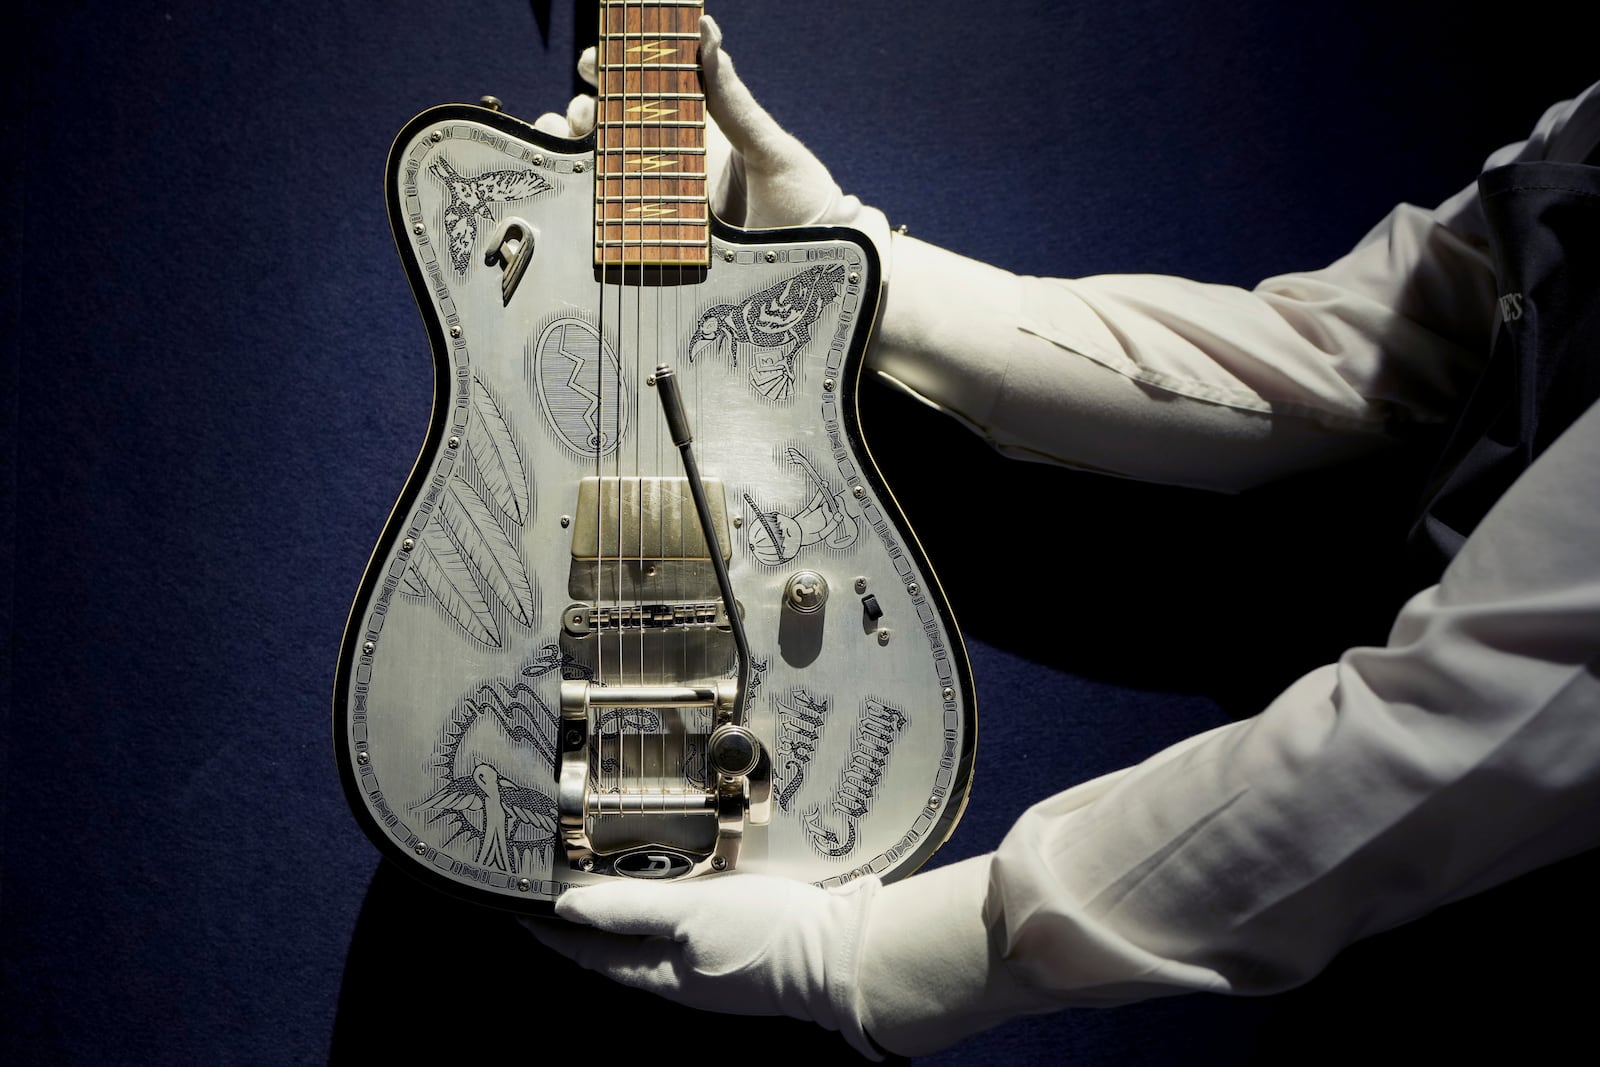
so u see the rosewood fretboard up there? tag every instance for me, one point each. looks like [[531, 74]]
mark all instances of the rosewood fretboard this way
[[650, 145]]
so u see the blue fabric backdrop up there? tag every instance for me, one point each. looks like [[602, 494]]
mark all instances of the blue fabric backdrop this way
[[216, 384]]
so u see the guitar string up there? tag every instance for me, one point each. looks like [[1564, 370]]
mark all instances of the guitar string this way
[[629, 363], [636, 293], [661, 469], [602, 229]]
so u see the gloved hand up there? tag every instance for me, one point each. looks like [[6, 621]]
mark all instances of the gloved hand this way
[[741, 944], [760, 176]]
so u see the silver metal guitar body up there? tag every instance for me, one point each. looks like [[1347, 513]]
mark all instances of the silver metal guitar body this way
[[539, 659]]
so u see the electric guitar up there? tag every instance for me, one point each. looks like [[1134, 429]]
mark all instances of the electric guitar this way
[[645, 607]]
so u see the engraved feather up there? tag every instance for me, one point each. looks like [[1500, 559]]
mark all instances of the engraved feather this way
[[494, 453], [440, 567], [485, 543]]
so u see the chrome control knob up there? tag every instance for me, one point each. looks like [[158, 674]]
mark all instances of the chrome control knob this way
[[733, 750], [806, 592]]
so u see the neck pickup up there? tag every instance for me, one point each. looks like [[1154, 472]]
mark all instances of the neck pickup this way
[[650, 205]]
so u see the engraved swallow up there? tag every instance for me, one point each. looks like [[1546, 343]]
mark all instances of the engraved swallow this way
[[506, 818], [470, 199]]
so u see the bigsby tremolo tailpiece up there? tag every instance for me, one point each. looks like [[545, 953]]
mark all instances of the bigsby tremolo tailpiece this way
[[737, 786], [658, 780]]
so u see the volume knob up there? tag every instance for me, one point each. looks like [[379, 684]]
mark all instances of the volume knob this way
[[807, 591]]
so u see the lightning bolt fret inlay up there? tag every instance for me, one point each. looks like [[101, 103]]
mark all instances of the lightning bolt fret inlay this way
[[651, 110], [649, 51], [649, 162]]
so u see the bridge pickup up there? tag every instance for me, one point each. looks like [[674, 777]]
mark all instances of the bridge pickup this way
[[645, 520], [580, 620]]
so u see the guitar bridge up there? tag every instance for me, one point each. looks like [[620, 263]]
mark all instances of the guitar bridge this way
[[656, 781], [580, 620]]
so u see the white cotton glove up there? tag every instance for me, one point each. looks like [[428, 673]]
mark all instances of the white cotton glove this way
[[760, 176], [741, 944]]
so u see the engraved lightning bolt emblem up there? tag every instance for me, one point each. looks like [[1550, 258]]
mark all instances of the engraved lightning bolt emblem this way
[[650, 51], [591, 413]]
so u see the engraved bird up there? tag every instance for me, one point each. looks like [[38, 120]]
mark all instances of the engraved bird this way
[[470, 199], [507, 819], [777, 321]]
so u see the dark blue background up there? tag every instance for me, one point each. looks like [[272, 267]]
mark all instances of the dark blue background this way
[[217, 381]]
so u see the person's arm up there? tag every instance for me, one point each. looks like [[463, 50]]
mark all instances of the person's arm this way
[[1171, 380], [1462, 753]]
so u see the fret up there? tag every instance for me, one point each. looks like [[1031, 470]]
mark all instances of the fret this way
[[627, 244], [632, 177], [658, 227], [634, 94], [653, 199]]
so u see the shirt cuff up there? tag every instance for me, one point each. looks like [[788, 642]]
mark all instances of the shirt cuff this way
[[928, 975]]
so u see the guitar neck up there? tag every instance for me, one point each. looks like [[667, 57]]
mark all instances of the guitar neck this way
[[650, 207]]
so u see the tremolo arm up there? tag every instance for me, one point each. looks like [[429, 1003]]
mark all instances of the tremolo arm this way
[[658, 780]]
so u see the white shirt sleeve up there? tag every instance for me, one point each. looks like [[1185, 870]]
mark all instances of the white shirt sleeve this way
[[1463, 752], [1171, 380]]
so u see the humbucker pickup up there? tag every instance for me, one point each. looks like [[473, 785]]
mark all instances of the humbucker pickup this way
[[645, 519]]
